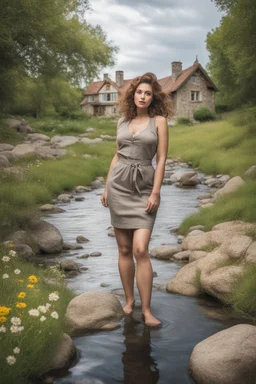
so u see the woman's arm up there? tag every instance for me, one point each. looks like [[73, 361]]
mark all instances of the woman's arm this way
[[115, 158], [162, 151]]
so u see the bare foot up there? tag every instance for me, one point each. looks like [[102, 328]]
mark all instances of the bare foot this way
[[128, 308], [150, 320]]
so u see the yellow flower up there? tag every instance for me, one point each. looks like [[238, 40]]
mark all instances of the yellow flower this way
[[21, 305], [3, 319], [20, 281], [33, 279], [21, 295], [4, 310], [30, 286], [11, 245]]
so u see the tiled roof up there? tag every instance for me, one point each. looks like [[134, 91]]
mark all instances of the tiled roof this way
[[168, 83]]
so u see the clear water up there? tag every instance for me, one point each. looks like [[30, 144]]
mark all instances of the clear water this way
[[134, 354]]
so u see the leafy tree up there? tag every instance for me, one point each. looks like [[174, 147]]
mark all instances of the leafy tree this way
[[49, 39], [232, 48]]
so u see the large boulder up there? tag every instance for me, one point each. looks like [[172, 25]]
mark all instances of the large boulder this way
[[219, 283], [6, 147], [64, 355], [164, 253], [4, 162], [63, 141], [22, 150], [229, 187], [46, 237], [184, 282], [93, 311], [227, 357], [250, 256], [236, 246]]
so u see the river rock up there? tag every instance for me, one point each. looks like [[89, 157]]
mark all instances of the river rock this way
[[219, 283], [95, 254], [236, 246], [8, 154], [250, 256], [19, 237], [181, 256], [229, 187], [44, 152], [67, 246], [64, 197], [164, 253], [251, 172], [47, 237], [195, 232], [69, 265], [64, 355], [81, 239], [196, 227], [184, 280], [95, 184], [93, 311], [196, 255], [86, 140], [24, 251], [20, 125], [6, 147], [81, 189], [63, 141], [227, 357], [51, 208], [38, 136], [22, 150], [4, 162]]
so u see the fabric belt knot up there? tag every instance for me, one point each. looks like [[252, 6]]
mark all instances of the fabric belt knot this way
[[132, 171]]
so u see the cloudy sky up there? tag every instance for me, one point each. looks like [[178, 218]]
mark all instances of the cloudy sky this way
[[153, 33]]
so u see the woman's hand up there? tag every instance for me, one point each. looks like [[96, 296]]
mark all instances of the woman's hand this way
[[104, 199], [153, 203]]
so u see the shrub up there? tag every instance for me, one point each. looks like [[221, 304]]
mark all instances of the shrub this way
[[184, 120], [204, 114]]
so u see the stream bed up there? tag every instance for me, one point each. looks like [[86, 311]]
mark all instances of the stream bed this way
[[135, 354]]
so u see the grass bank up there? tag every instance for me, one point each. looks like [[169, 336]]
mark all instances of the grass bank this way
[[40, 181], [32, 313], [220, 147]]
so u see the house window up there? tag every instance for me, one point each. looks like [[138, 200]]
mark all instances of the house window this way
[[195, 96], [90, 98], [109, 96], [194, 79]]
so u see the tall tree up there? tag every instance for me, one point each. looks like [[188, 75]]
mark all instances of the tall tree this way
[[49, 38], [232, 48]]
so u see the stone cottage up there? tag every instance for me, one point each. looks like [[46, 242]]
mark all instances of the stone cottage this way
[[189, 89]]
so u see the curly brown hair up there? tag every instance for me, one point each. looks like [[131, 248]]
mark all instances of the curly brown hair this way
[[160, 105]]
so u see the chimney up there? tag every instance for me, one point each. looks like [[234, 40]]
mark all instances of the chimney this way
[[119, 78], [105, 76], [176, 69]]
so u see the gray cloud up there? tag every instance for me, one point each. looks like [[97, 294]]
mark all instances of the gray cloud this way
[[153, 33]]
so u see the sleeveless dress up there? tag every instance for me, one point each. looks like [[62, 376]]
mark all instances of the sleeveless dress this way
[[131, 180]]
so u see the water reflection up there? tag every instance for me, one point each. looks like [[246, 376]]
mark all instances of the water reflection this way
[[138, 364]]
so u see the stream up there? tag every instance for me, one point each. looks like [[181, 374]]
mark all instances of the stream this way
[[135, 354]]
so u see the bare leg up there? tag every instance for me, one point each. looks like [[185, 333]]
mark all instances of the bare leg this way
[[144, 273], [126, 266]]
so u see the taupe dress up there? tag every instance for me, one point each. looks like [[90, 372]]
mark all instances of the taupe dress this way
[[131, 179]]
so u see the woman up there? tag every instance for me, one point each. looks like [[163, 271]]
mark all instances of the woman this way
[[132, 189]]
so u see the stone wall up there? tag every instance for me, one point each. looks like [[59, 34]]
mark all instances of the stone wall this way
[[184, 105]]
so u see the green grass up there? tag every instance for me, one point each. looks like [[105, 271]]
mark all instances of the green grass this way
[[209, 247], [39, 339], [242, 297], [9, 135]]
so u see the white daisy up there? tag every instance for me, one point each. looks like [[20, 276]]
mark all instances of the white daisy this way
[[42, 308], [2, 329], [11, 360], [55, 315], [6, 259], [42, 318], [54, 296], [17, 271], [5, 276], [12, 253], [16, 321], [16, 350], [34, 312]]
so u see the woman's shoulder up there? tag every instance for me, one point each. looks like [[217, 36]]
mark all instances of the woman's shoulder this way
[[121, 120], [160, 118]]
